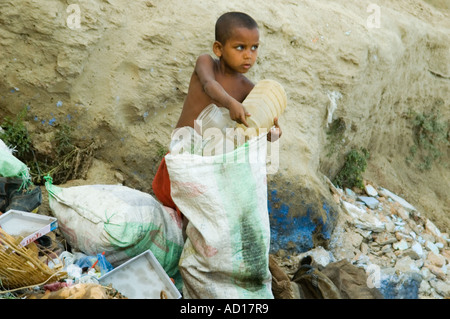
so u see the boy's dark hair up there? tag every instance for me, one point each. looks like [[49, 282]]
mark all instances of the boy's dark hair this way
[[230, 20]]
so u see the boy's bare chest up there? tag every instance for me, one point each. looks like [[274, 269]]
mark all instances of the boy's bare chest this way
[[234, 87]]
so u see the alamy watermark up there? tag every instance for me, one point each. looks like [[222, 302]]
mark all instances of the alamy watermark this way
[[373, 273], [74, 18], [374, 19]]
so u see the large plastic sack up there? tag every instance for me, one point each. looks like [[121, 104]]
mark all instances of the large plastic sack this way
[[10, 166], [121, 221], [224, 197]]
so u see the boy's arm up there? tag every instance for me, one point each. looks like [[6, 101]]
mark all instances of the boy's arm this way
[[204, 69]]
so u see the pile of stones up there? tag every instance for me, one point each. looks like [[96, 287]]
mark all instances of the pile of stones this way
[[403, 253]]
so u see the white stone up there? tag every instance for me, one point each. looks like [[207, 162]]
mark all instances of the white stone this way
[[371, 202], [417, 248], [319, 255], [370, 190], [425, 287], [400, 245], [432, 228], [426, 273], [441, 287], [398, 199], [350, 193], [432, 247], [360, 218], [406, 264]]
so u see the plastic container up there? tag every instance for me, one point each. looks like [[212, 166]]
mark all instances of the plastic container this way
[[141, 277], [215, 117], [29, 226], [266, 101]]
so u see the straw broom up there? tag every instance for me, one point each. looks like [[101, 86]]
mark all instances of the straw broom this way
[[20, 267]]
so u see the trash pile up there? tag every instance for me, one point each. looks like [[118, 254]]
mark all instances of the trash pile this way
[[98, 239], [403, 253], [118, 242]]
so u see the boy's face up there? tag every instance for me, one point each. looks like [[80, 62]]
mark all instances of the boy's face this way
[[241, 50]]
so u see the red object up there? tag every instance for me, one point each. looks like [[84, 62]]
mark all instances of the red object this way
[[103, 253], [161, 187]]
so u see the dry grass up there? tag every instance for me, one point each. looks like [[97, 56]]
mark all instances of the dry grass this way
[[21, 268]]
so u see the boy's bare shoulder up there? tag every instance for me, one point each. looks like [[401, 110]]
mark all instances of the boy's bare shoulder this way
[[205, 58]]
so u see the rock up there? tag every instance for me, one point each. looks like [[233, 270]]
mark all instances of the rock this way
[[365, 233], [411, 253], [360, 218], [441, 287], [403, 213], [436, 259], [387, 221], [429, 226], [364, 248], [428, 237], [371, 202], [440, 272], [400, 236], [417, 248], [398, 199], [385, 238], [446, 254], [386, 249], [426, 273], [425, 287], [370, 190], [320, 256], [406, 265], [350, 193], [431, 247], [401, 245], [402, 286], [119, 177]]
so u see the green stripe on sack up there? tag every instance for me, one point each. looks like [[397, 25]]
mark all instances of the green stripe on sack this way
[[250, 261], [133, 238]]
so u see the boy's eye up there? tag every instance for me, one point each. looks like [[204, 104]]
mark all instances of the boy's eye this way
[[240, 47], [254, 47]]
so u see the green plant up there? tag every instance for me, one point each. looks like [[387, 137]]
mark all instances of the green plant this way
[[65, 160], [430, 136], [350, 174], [161, 150], [335, 136], [63, 140], [15, 134]]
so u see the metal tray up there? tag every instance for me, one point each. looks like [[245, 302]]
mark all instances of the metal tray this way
[[141, 277], [30, 226]]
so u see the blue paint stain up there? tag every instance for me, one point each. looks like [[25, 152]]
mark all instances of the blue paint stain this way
[[51, 121], [297, 232], [59, 104]]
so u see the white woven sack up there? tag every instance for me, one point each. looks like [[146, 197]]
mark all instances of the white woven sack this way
[[121, 221], [224, 197]]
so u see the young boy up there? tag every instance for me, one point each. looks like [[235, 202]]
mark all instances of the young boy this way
[[220, 81]]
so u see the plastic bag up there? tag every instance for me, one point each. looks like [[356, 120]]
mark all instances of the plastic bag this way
[[10, 166]]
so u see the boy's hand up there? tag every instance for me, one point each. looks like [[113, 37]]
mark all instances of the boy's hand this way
[[275, 132], [238, 113]]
